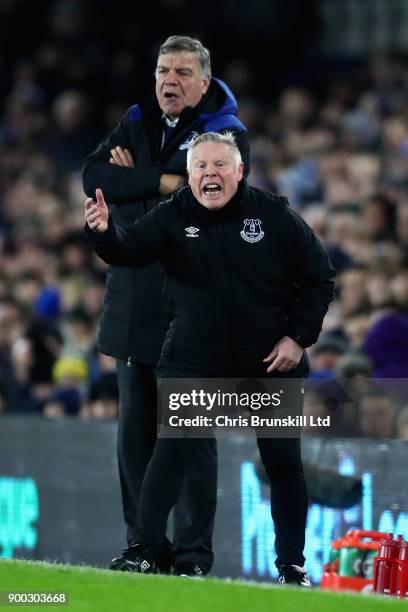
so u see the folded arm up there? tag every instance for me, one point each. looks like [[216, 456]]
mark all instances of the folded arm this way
[[111, 167]]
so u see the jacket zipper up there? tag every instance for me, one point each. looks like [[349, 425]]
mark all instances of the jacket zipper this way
[[226, 300]]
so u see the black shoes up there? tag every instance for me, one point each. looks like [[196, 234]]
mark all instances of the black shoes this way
[[294, 574], [134, 559], [190, 570]]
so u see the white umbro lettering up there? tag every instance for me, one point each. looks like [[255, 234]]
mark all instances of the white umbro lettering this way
[[192, 232]]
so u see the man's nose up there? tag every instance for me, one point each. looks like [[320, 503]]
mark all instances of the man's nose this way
[[171, 77], [210, 171]]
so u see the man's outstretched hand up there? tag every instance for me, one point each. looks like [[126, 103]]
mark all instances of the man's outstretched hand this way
[[97, 213], [285, 355]]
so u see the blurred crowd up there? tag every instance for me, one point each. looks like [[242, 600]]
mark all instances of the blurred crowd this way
[[339, 151]]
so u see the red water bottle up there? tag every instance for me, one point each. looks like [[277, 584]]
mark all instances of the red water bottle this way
[[401, 581], [384, 581]]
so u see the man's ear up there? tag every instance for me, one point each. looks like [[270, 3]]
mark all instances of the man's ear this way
[[188, 178], [240, 171], [206, 84]]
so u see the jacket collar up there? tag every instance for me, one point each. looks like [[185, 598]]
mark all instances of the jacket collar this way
[[217, 101]]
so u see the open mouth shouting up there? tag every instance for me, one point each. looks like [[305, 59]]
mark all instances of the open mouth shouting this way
[[214, 173], [171, 103], [212, 190]]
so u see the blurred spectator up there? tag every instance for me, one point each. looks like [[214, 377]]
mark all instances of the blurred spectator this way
[[380, 217], [325, 355], [378, 288], [78, 329], [69, 374], [353, 290], [103, 401], [355, 327], [354, 367], [104, 398], [71, 135], [399, 288], [353, 374], [386, 343], [47, 304], [377, 412]]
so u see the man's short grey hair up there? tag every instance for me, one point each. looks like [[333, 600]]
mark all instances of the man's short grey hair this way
[[177, 44], [220, 138]]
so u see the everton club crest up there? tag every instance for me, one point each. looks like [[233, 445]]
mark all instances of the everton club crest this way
[[252, 231]]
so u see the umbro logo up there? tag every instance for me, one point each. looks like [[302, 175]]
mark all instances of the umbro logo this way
[[192, 232], [144, 566]]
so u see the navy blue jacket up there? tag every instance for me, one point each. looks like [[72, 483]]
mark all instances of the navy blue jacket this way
[[134, 320], [240, 278]]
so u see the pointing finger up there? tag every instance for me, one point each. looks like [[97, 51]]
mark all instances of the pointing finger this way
[[274, 365], [99, 197], [271, 356]]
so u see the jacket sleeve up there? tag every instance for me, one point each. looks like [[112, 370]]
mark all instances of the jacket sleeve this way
[[135, 245], [312, 276], [119, 185]]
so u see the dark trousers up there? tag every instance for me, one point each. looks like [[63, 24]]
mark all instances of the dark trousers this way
[[195, 502], [281, 458]]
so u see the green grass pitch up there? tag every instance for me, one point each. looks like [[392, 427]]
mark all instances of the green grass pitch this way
[[106, 591]]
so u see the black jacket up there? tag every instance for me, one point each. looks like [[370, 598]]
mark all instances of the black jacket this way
[[134, 322], [240, 278]]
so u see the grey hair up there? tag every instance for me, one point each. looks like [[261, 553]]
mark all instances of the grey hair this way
[[176, 44], [220, 138]]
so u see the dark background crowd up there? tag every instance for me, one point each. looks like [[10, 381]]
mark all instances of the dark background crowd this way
[[323, 88]]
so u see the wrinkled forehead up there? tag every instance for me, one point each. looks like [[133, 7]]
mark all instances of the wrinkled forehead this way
[[179, 59], [211, 152]]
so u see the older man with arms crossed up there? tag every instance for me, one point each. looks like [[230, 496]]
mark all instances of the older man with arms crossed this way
[[140, 162]]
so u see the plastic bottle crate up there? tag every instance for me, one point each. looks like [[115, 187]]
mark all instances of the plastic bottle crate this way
[[352, 561]]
